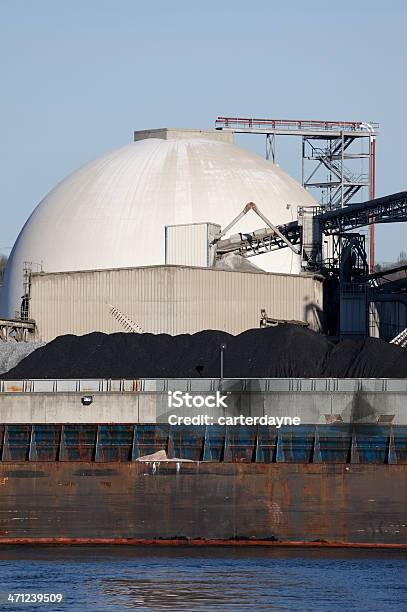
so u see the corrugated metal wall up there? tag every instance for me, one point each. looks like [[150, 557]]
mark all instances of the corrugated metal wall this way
[[188, 245], [353, 311], [169, 299], [387, 318]]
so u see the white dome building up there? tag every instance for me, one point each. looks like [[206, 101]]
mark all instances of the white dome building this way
[[111, 213]]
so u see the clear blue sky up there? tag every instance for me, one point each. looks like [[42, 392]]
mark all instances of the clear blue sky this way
[[78, 76]]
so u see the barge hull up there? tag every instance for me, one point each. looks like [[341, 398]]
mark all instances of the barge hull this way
[[203, 503]]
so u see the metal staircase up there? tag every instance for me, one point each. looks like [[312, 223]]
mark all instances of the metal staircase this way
[[343, 183], [400, 339], [125, 321]]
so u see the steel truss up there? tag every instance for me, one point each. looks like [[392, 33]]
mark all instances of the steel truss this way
[[331, 154], [328, 146], [330, 173], [389, 209]]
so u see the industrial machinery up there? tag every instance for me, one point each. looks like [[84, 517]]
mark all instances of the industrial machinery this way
[[266, 321], [333, 157], [346, 270], [312, 224]]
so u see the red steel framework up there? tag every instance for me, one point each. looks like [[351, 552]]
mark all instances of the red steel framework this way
[[341, 184], [372, 195], [291, 124]]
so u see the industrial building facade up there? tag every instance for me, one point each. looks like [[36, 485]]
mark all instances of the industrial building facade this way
[[169, 299]]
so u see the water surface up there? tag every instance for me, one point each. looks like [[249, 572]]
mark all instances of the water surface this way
[[99, 578]]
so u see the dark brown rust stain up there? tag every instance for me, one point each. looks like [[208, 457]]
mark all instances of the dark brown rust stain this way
[[96, 472], [22, 474], [198, 542], [207, 503]]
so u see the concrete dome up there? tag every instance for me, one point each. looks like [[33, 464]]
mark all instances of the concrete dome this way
[[111, 212]]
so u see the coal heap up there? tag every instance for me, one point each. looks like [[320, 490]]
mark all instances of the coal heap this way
[[276, 352]]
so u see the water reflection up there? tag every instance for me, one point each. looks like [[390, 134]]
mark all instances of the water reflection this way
[[123, 578]]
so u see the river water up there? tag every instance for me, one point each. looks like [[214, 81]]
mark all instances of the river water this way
[[103, 578]]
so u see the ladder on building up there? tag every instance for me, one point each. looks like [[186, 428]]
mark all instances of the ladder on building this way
[[125, 321]]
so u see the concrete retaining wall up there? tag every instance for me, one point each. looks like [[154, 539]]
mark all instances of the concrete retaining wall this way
[[362, 402]]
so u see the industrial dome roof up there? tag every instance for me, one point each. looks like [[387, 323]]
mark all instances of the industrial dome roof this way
[[111, 212]]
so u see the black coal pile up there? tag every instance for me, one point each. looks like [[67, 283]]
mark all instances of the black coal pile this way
[[283, 351]]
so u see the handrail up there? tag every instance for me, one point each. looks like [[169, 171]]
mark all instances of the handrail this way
[[295, 124], [199, 385]]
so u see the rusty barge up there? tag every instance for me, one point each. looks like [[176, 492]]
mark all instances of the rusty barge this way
[[78, 464], [316, 485]]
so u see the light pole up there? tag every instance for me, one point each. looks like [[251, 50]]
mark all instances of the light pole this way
[[222, 349]]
